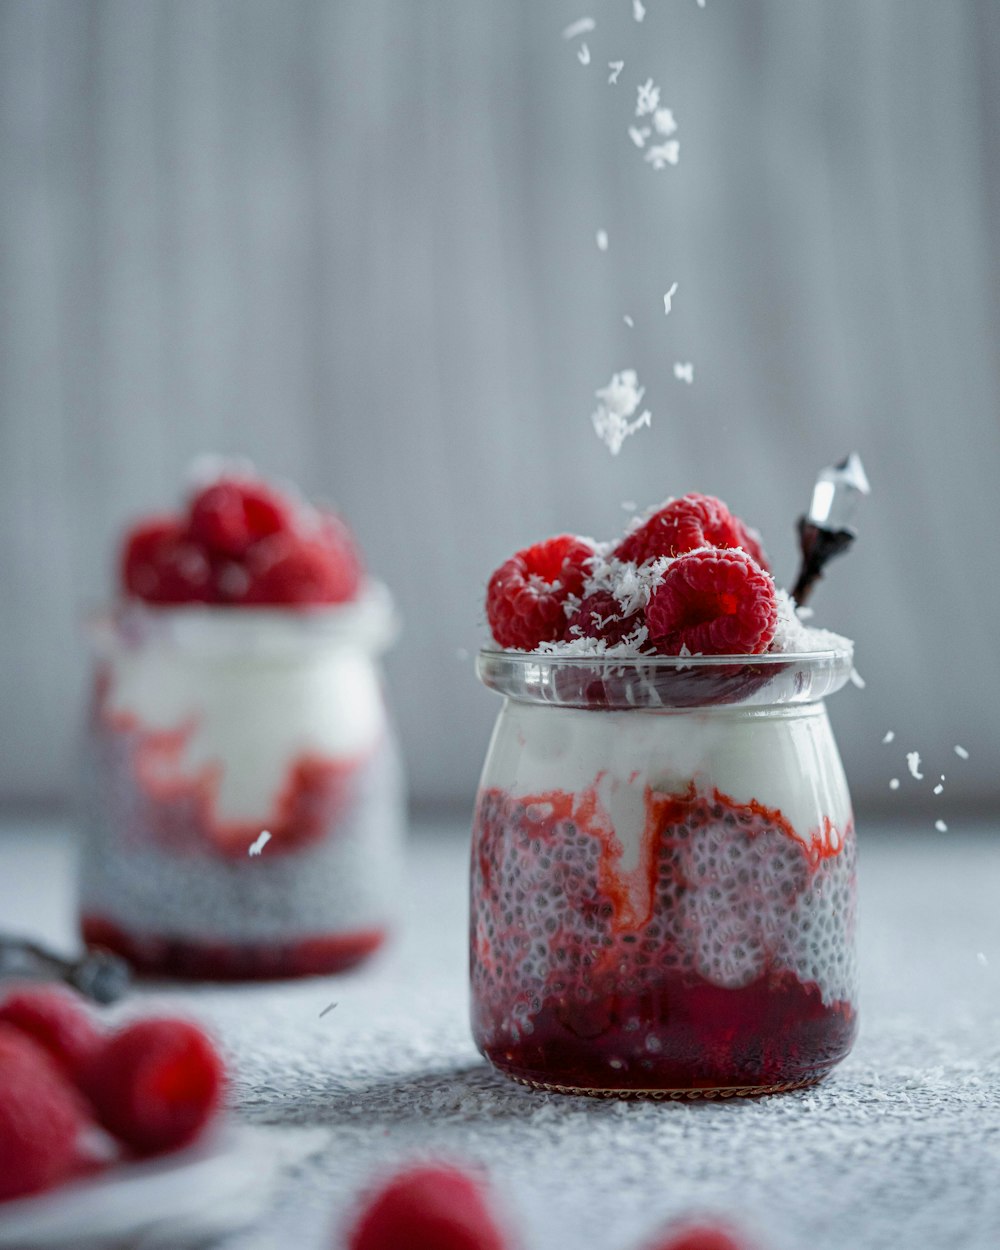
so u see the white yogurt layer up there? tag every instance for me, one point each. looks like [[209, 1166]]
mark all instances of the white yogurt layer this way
[[781, 758], [254, 705]]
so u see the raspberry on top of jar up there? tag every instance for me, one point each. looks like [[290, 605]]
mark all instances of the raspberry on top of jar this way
[[688, 578], [241, 542]]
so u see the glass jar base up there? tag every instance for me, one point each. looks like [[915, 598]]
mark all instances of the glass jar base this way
[[192, 960], [707, 1093]]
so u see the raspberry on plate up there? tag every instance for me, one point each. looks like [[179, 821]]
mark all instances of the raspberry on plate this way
[[230, 515], [162, 565], [428, 1208], [713, 602], [41, 1118], [600, 616], [526, 595], [156, 1084], [685, 524], [56, 1021]]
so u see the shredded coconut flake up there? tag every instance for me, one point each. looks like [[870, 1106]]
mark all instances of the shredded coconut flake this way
[[583, 54], [602, 240], [668, 298], [582, 27], [939, 788], [913, 764], [639, 135], [664, 122], [894, 784], [981, 956], [647, 98], [857, 679], [628, 321], [962, 753], [684, 371], [660, 155], [889, 735], [638, 10], [940, 826], [616, 68], [616, 403], [259, 842]]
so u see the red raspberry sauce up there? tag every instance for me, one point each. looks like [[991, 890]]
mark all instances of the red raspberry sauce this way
[[582, 983]]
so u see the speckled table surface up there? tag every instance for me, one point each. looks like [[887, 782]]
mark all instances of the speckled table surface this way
[[900, 1149]]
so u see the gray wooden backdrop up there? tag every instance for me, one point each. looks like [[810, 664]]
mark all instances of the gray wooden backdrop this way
[[356, 241]]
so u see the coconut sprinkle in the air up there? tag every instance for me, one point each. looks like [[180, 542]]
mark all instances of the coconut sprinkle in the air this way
[[602, 240], [639, 135], [684, 371], [981, 956], [582, 27], [913, 764], [668, 299], [638, 10], [616, 68], [664, 123], [894, 783], [259, 842], [617, 403], [583, 54], [962, 753], [857, 680], [628, 321], [889, 735], [647, 98], [939, 788], [660, 155], [940, 826]]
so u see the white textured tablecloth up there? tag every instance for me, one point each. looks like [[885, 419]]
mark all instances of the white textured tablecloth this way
[[899, 1149]]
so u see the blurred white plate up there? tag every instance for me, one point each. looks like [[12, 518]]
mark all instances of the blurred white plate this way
[[179, 1199]]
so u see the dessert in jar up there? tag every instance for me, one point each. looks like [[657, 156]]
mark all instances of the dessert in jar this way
[[243, 800], [663, 858]]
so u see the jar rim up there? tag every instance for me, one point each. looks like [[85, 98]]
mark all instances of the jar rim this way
[[369, 623], [664, 682]]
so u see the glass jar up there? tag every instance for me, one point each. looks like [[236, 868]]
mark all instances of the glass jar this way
[[663, 875], [209, 727]]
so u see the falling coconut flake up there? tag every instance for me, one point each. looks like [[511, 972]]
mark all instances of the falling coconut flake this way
[[664, 123], [616, 403], [647, 98], [857, 680], [583, 54], [616, 68], [894, 784], [259, 843], [940, 826], [913, 764], [638, 10], [684, 371], [668, 299], [939, 788], [962, 753], [602, 240], [583, 27], [639, 135], [628, 321], [660, 155], [889, 735], [980, 955]]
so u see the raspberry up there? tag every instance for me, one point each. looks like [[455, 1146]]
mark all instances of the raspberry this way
[[428, 1208], [299, 571], [685, 524], [161, 565], [229, 516], [713, 602], [701, 1237], [600, 616], [55, 1021], [156, 1084], [41, 1118], [526, 594]]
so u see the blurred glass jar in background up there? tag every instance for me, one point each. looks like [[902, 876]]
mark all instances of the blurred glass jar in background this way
[[243, 801]]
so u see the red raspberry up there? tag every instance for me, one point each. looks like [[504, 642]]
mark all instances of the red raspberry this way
[[156, 1084], [229, 516], [161, 565], [685, 524], [41, 1118], [715, 602], [293, 571], [600, 616], [56, 1021], [428, 1208], [526, 594], [701, 1237]]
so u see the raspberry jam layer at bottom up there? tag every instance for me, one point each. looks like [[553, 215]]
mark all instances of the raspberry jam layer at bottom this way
[[683, 1033], [185, 958]]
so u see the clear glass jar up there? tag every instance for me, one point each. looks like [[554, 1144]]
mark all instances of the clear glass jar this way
[[663, 875], [210, 726]]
